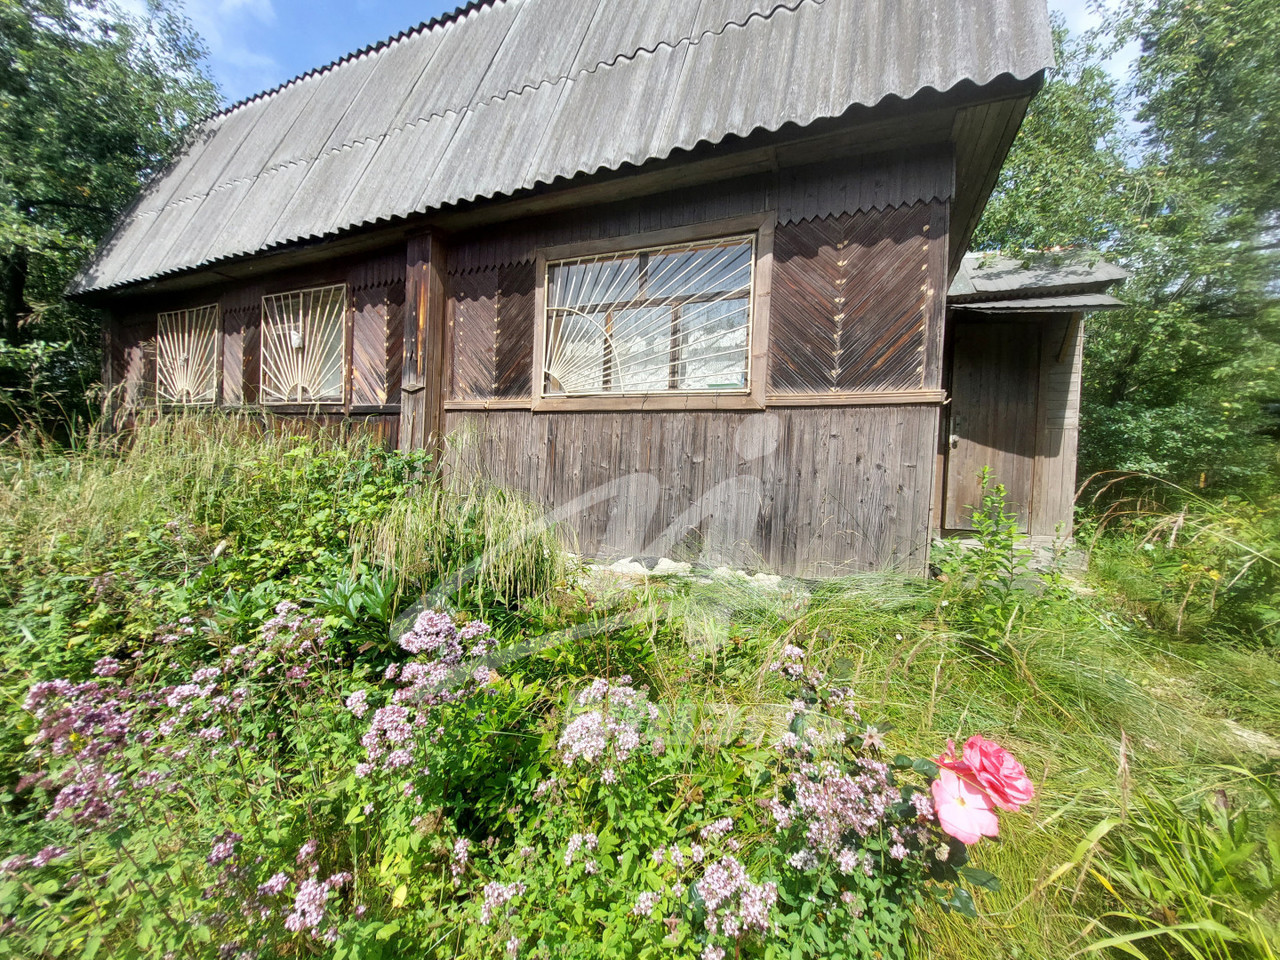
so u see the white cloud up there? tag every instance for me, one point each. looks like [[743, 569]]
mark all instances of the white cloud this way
[[230, 29]]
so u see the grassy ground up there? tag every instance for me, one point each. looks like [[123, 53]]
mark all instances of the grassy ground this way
[[1143, 696], [1099, 708]]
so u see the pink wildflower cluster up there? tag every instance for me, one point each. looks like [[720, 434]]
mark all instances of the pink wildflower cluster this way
[[836, 810], [839, 810], [451, 672], [35, 861], [608, 725], [582, 841], [971, 787], [84, 729], [790, 664], [459, 857], [735, 905], [309, 905], [496, 896]]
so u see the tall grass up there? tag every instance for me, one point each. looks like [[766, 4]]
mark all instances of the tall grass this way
[[238, 477], [1103, 713], [485, 538]]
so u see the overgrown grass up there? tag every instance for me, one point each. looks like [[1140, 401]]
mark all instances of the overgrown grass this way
[[1105, 713], [1141, 700]]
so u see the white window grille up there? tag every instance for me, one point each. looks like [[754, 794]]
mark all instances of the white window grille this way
[[664, 319], [304, 345], [186, 355]]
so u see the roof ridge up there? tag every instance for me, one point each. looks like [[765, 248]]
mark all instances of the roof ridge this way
[[445, 19], [789, 6], [426, 26]]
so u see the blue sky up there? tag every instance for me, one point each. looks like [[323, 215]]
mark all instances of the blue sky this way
[[258, 44]]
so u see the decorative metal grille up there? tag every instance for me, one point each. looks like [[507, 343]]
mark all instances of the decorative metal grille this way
[[186, 355], [304, 345], [663, 319]]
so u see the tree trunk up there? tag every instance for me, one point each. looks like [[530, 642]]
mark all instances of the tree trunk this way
[[13, 287]]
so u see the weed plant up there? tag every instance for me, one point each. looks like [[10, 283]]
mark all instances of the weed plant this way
[[272, 696]]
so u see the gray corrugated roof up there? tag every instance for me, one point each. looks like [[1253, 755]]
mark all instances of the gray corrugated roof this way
[[504, 96], [1068, 303], [984, 274]]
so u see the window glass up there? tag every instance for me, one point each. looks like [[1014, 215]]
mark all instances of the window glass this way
[[186, 355], [303, 345], [664, 319]]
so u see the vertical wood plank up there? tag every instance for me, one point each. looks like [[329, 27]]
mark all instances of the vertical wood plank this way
[[422, 370]]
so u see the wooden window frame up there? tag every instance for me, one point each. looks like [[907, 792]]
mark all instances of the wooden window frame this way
[[759, 226], [154, 379], [340, 404]]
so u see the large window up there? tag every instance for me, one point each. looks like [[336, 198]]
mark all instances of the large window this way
[[186, 355], [658, 320], [304, 345]]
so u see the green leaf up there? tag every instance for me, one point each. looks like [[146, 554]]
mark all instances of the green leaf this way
[[925, 767], [981, 878], [962, 903]]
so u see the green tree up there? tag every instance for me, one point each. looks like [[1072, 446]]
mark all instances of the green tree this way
[[92, 102], [1184, 195]]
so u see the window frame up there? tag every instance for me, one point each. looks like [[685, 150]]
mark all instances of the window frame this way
[[759, 227], [154, 380], [344, 322]]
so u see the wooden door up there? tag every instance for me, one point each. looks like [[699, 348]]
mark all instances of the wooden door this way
[[994, 383]]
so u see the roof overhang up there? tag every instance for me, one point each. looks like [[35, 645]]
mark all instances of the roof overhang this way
[[1079, 303]]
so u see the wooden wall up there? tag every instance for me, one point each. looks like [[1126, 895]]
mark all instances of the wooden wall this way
[[858, 302], [1057, 426], [375, 286], [853, 381], [812, 491], [837, 472], [1015, 409]]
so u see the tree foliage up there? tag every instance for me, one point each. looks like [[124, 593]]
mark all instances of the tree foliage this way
[[1173, 175], [92, 101]]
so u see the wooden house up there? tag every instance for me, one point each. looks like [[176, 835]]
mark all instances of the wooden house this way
[[676, 268]]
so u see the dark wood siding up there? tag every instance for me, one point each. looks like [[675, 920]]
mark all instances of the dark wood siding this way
[[1057, 426], [375, 285], [856, 301], [813, 490], [132, 363]]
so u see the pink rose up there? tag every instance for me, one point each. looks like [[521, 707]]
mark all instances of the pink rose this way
[[996, 772], [964, 810]]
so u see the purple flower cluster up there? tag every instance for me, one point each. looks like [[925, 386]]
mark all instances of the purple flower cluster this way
[[308, 906], [450, 675], [835, 807], [580, 841], [459, 858], [646, 903], [791, 665], [223, 848], [735, 905], [36, 861], [497, 895], [609, 722], [84, 730]]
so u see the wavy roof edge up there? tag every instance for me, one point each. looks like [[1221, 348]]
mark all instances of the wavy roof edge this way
[[184, 219], [426, 26]]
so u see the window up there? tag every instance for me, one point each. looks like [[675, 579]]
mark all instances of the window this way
[[186, 355], [664, 319], [304, 345]]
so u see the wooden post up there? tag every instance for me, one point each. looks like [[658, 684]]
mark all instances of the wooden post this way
[[422, 379]]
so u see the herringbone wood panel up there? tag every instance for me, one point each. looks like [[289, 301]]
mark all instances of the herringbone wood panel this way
[[851, 300]]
